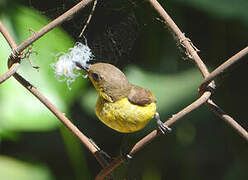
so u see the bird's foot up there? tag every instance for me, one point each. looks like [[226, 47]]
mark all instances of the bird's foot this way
[[126, 158], [162, 128]]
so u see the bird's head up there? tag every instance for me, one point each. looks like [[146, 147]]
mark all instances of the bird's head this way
[[109, 81]]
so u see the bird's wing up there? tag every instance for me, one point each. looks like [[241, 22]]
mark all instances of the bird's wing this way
[[140, 96]]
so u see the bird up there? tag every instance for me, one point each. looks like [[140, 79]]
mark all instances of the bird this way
[[122, 106]]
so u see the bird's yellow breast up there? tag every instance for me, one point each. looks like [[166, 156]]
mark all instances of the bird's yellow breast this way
[[123, 116]]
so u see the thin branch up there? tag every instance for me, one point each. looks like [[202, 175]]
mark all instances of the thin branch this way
[[35, 36], [147, 139], [223, 67], [228, 119], [14, 66], [89, 18], [6, 35], [171, 121], [108, 169], [84, 139], [67, 15], [12, 70], [215, 108], [191, 50], [57, 113]]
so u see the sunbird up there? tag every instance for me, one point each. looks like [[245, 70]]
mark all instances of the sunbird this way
[[121, 105]]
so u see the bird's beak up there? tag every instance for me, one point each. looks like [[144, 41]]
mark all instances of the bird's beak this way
[[85, 69]]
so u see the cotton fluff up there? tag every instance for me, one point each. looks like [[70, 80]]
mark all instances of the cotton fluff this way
[[66, 69]]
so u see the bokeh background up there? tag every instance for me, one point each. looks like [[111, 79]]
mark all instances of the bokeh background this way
[[130, 35]]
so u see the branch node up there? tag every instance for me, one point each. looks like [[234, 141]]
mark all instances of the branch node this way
[[211, 87], [32, 32], [183, 40], [27, 55]]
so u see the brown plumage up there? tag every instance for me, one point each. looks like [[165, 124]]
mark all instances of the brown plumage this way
[[115, 85]]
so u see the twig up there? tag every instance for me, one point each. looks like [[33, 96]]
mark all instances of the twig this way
[[89, 18], [223, 67], [215, 108], [35, 36], [172, 120], [193, 55], [84, 139], [6, 35], [191, 51], [14, 65], [57, 113], [107, 170], [53, 24], [228, 119], [12, 70]]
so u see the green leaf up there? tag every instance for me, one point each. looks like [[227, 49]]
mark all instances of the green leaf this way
[[13, 169]]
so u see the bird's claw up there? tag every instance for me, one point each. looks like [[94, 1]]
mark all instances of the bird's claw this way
[[162, 128], [126, 157]]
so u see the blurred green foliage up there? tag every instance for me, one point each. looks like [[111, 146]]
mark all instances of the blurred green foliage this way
[[14, 169], [226, 9], [20, 117], [201, 146]]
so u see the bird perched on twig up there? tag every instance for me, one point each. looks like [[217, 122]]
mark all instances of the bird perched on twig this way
[[121, 105]]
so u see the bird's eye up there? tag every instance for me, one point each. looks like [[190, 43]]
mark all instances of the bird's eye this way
[[95, 76]]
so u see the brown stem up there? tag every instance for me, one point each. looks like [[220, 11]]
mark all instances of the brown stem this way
[[191, 50], [7, 35], [14, 66], [223, 67], [228, 119], [67, 15]]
